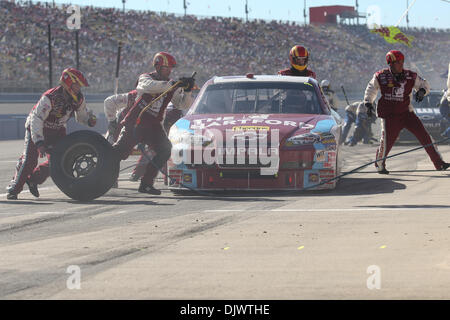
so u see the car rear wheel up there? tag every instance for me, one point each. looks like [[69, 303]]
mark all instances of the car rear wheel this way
[[84, 165]]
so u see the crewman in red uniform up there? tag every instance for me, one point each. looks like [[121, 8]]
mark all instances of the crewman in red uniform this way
[[149, 129], [298, 56], [395, 109], [45, 126]]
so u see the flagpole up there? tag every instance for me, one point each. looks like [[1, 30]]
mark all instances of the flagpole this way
[[405, 13]]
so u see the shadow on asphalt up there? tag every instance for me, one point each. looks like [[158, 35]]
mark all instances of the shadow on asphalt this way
[[368, 186], [25, 202], [115, 202], [408, 173], [410, 206], [210, 195], [420, 175], [346, 186], [398, 171]]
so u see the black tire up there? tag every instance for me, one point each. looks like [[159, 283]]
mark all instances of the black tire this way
[[84, 165]]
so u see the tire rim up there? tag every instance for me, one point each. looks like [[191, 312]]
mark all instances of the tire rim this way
[[80, 160]]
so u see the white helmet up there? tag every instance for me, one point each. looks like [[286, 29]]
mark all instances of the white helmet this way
[[325, 83]]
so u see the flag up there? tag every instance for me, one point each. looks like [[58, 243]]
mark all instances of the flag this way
[[393, 35]]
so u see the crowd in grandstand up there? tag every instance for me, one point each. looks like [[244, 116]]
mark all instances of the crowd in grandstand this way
[[344, 54]]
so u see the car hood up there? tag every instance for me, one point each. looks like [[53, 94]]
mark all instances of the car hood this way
[[286, 124]]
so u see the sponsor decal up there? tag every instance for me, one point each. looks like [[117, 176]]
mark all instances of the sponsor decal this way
[[428, 110], [247, 123], [313, 177], [320, 156], [329, 143], [431, 124], [327, 138], [326, 175], [249, 135], [331, 160], [187, 177], [398, 92], [259, 116], [250, 128], [331, 157], [176, 177]]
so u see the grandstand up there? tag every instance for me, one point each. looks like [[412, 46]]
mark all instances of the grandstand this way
[[345, 54]]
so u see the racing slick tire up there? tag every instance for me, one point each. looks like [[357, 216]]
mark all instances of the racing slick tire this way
[[83, 165]]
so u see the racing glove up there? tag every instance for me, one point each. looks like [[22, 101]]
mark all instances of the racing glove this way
[[370, 109], [187, 83], [420, 94], [42, 148]]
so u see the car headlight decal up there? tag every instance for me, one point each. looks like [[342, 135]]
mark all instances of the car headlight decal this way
[[303, 139]]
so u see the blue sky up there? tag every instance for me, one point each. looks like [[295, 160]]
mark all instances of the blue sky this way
[[424, 13]]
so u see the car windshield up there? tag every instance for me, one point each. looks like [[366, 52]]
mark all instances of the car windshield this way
[[259, 97]]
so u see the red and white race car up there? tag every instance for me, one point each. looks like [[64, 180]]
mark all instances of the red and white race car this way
[[256, 132]]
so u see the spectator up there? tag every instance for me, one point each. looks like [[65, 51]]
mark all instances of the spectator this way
[[221, 46]]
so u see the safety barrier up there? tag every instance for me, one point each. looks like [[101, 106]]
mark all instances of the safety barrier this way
[[12, 126]]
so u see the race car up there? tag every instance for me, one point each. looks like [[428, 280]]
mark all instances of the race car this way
[[256, 132], [428, 112]]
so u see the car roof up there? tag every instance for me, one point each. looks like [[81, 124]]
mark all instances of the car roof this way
[[262, 78]]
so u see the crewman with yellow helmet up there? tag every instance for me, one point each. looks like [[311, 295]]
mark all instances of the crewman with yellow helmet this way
[[298, 56]]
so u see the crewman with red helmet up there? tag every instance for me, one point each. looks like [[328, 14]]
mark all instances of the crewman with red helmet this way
[[299, 57], [395, 109], [46, 125], [148, 129]]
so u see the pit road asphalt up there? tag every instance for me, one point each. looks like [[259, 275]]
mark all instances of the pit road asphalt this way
[[312, 245]]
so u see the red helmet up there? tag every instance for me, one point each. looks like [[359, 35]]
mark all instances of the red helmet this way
[[298, 56], [394, 55], [163, 59], [70, 76]]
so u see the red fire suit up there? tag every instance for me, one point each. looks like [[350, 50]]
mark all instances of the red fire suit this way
[[396, 112], [150, 130], [294, 72], [46, 122], [172, 116]]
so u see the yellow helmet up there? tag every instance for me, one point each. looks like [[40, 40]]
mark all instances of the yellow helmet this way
[[298, 56]]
